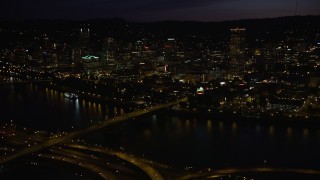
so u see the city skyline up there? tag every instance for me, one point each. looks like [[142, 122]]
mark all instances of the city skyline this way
[[112, 99], [146, 11]]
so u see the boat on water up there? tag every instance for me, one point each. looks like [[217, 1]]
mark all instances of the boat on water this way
[[70, 96]]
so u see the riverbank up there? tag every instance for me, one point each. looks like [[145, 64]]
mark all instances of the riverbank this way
[[279, 119]]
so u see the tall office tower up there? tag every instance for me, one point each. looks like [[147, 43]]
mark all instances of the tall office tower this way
[[65, 55], [19, 55], [237, 42], [85, 42], [80, 45], [268, 52], [237, 51], [108, 50]]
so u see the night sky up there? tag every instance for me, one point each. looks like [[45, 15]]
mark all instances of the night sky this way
[[156, 10]]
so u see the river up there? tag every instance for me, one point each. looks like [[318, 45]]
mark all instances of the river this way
[[179, 141]]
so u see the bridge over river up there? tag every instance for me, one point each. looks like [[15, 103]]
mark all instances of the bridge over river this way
[[71, 135]]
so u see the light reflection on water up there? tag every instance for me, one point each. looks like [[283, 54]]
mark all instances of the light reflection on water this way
[[49, 109], [234, 128], [271, 131], [289, 133], [305, 134], [206, 142]]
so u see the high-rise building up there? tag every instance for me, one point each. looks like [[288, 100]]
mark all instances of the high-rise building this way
[[237, 51], [85, 42], [108, 50], [237, 42], [19, 55], [80, 45]]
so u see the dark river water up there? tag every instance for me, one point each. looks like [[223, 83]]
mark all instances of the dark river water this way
[[179, 141]]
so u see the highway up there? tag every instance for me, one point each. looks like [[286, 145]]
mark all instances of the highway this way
[[232, 171], [71, 135], [88, 165], [107, 163], [150, 171], [104, 162]]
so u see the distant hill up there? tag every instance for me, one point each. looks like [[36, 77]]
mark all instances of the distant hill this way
[[269, 28]]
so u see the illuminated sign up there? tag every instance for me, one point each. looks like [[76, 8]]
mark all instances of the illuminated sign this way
[[200, 90], [88, 57]]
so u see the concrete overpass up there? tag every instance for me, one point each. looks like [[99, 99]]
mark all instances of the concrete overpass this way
[[234, 171]]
